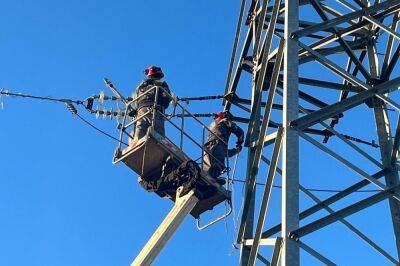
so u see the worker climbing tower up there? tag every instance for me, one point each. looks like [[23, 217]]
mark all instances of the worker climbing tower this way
[[313, 64]]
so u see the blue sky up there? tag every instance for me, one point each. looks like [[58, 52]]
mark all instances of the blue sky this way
[[62, 201]]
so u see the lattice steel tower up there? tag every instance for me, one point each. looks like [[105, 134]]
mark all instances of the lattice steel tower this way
[[336, 43]]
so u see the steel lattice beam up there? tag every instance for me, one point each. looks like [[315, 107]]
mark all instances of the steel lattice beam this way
[[360, 83]]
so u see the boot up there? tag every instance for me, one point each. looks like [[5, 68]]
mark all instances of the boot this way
[[221, 181]]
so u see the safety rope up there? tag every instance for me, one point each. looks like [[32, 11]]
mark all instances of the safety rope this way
[[228, 187], [230, 182], [235, 216]]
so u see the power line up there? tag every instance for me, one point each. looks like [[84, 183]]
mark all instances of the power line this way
[[74, 111], [98, 129], [69, 104], [46, 98]]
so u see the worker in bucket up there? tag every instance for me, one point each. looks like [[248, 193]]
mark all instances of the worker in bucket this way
[[146, 100], [216, 146]]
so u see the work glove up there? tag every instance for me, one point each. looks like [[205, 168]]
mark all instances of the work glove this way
[[174, 98], [132, 112], [234, 151]]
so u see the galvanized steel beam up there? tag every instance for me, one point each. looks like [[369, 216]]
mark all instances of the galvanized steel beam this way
[[265, 199], [327, 220], [340, 107], [332, 199], [290, 146]]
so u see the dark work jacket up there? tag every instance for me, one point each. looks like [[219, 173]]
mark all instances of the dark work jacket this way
[[148, 100], [222, 129]]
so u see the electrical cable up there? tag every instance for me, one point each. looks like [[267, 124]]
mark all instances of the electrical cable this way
[[99, 130], [74, 111], [201, 98], [69, 104], [313, 189], [46, 98]]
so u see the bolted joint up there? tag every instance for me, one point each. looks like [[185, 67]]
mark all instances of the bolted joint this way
[[293, 236], [293, 124], [231, 97], [374, 81]]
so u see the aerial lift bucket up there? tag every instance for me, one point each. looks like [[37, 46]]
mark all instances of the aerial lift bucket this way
[[147, 156]]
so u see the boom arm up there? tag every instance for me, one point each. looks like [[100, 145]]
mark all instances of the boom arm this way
[[183, 206]]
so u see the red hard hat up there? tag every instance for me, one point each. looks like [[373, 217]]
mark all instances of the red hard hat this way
[[154, 71], [220, 115], [223, 114]]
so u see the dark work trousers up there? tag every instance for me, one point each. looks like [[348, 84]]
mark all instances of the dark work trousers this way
[[216, 163], [145, 122]]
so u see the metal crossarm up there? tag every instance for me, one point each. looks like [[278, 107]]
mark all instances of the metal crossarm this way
[[340, 107]]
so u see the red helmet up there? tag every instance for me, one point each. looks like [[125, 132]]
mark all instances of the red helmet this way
[[154, 72], [222, 115]]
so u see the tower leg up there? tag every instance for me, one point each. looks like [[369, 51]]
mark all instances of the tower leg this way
[[391, 178], [290, 145]]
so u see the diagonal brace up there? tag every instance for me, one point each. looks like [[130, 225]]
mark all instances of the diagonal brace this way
[[327, 220]]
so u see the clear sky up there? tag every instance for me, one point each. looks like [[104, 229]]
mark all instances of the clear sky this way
[[62, 201]]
